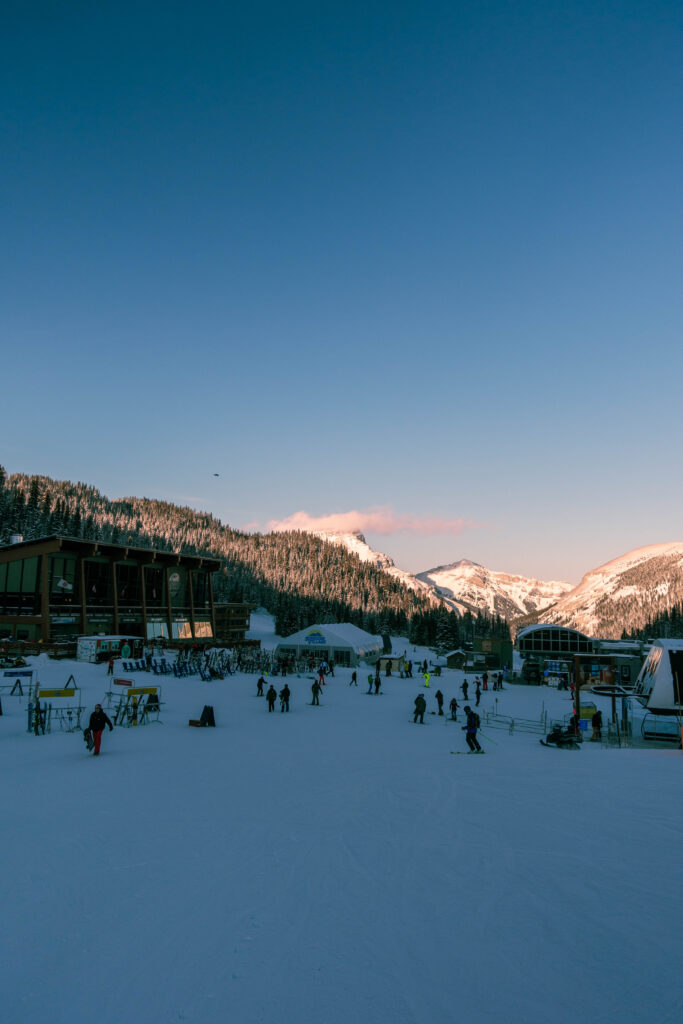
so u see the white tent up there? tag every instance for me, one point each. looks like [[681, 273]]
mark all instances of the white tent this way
[[342, 643], [659, 687]]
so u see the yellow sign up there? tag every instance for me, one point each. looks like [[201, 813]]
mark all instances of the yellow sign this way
[[137, 691], [56, 693]]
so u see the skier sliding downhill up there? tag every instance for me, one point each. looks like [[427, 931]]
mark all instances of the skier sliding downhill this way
[[473, 723]]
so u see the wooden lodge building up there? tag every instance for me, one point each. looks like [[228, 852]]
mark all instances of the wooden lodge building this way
[[58, 588]]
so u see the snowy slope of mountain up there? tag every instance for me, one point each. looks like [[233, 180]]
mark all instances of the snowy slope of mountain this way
[[623, 593], [467, 585], [356, 543], [464, 585]]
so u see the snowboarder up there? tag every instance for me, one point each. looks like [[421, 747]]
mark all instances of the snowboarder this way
[[270, 697], [427, 677], [354, 678], [597, 726], [464, 689], [316, 693], [470, 729], [439, 701], [98, 720], [485, 681], [409, 670], [454, 710], [378, 683], [370, 684], [285, 694], [420, 708], [260, 683]]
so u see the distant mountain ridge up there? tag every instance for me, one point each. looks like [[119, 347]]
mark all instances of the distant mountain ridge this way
[[624, 593], [463, 586], [620, 596], [466, 585]]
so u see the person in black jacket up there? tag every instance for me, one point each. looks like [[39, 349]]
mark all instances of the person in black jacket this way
[[98, 720], [285, 694], [271, 696]]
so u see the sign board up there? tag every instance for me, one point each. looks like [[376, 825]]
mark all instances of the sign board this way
[[315, 637], [139, 691], [56, 693], [123, 682]]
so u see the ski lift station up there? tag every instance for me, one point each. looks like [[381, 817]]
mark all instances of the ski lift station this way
[[342, 643], [659, 687]]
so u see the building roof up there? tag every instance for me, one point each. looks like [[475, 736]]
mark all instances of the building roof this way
[[549, 625], [340, 634], [56, 543]]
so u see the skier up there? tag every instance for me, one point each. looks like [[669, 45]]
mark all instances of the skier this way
[[285, 694], [420, 708], [110, 667], [98, 720], [597, 726], [464, 689], [471, 730], [454, 710], [354, 678], [478, 692], [316, 693], [259, 686], [270, 697], [485, 680], [439, 701]]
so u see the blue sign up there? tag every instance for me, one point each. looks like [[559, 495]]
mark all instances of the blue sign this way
[[315, 637]]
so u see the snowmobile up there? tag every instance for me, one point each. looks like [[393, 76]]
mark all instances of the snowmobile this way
[[566, 739]]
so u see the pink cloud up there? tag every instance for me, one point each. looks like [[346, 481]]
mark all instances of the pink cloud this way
[[379, 519]]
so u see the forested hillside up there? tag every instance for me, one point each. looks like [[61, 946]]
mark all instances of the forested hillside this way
[[298, 577]]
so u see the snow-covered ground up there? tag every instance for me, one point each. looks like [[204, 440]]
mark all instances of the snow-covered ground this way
[[333, 865]]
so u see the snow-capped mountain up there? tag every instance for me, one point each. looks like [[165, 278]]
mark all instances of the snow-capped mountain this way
[[623, 593], [465, 585], [357, 544]]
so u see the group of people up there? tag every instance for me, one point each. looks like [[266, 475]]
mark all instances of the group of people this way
[[470, 728]]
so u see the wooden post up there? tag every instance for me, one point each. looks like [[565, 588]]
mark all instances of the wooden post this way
[[143, 600], [44, 598], [169, 609], [211, 605], [190, 584], [81, 586], [116, 597]]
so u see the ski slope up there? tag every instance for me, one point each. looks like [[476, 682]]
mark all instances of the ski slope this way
[[333, 865]]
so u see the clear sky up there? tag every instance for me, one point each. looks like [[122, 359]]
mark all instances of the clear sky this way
[[417, 256]]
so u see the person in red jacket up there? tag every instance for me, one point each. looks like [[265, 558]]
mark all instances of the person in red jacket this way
[[98, 720]]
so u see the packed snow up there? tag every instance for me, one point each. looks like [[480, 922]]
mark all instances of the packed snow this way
[[334, 864]]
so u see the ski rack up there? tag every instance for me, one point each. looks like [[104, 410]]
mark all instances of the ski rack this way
[[66, 716], [140, 705]]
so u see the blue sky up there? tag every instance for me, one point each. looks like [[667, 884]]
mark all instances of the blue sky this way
[[423, 257]]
